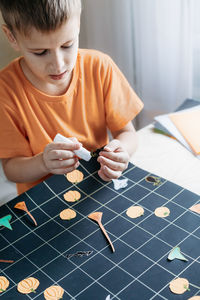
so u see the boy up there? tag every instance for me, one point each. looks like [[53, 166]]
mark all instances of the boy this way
[[54, 87]]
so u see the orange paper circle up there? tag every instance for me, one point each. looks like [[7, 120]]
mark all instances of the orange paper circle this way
[[67, 214], [179, 286], [135, 211], [75, 176], [28, 285], [53, 292], [72, 196], [162, 212]]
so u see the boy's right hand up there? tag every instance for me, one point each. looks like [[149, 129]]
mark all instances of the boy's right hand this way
[[59, 158]]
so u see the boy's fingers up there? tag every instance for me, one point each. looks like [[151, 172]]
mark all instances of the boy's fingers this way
[[61, 171], [61, 154], [66, 146], [102, 175], [119, 157], [113, 145], [116, 166]]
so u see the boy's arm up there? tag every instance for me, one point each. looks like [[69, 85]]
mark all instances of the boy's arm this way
[[116, 155], [57, 158]]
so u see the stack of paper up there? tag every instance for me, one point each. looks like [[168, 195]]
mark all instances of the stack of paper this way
[[184, 125]]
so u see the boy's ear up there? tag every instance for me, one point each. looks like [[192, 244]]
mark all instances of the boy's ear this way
[[11, 38]]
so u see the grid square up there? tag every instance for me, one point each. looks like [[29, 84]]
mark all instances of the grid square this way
[[75, 282], [168, 189], [54, 206], [40, 193], [122, 279], [98, 241], [9, 253], [86, 206], [191, 246], [40, 260], [121, 251], [188, 221], [137, 291], [154, 224], [172, 235], [49, 230], [57, 183], [118, 226], [95, 291], [97, 266], [136, 193], [135, 173], [136, 237], [155, 249], [152, 201], [25, 267], [156, 278], [28, 243], [89, 185], [83, 228], [57, 268], [119, 204], [175, 266], [104, 195], [37, 213], [64, 241], [18, 228], [136, 264], [186, 198]]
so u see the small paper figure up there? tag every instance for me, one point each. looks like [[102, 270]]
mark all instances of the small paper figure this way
[[79, 254], [108, 297], [120, 183], [5, 222], [96, 216], [6, 261], [22, 206], [176, 253]]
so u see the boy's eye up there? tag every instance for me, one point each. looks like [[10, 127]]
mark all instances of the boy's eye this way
[[68, 46], [40, 53]]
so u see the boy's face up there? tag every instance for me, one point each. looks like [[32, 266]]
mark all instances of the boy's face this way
[[49, 58]]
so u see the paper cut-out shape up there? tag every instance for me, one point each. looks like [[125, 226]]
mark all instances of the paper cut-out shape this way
[[22, 206], [153, 179], [6, 261], [72, 196], [179, 286], [75, 176], [135, 212], [162, 212], [176, 253], [5, 222], [120, 183], [108, 297], [4, 284], [195, 208], [67, 214], [194, 298], [53, 292], [28, 285], [79, 254], [97, 216]]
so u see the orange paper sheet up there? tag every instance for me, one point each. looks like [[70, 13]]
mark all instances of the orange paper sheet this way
[[188, 123]]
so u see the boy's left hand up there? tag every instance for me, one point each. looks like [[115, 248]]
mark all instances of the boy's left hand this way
[[113, 159]]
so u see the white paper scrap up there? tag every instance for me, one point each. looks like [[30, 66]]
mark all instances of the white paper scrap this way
[[120, 183]]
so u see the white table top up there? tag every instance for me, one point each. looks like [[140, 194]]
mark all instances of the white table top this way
[[167, 158]]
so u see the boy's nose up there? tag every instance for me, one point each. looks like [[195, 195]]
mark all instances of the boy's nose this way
[[57, 63]]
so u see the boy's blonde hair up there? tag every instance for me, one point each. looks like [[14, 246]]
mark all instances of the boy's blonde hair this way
[[44, 15]]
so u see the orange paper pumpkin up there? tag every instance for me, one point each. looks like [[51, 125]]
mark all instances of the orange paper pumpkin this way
[[54, 292], [4, 284], [72, 196], [28, 285], [74, 176]]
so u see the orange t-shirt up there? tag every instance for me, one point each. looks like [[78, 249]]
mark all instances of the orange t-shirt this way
[[99, 97]]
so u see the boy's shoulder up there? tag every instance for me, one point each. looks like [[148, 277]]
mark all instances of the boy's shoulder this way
[[91, 56], [10, 72]]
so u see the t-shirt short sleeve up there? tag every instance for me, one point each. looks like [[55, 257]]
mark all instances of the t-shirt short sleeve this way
[[121, 102], [13, 139]]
